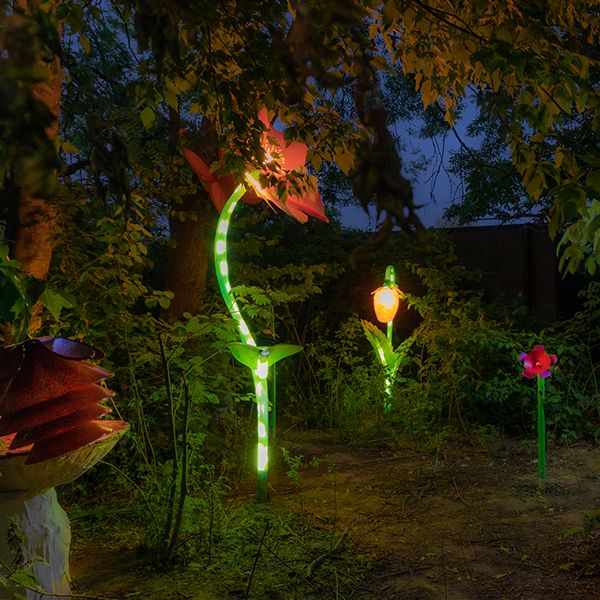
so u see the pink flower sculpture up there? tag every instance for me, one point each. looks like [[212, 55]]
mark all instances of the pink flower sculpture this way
[[537, 362], [219, 187], [286, 157]]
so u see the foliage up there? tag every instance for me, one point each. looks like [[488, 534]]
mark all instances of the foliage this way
[[19, 292], [466, 367], [535, 64], [341, 386], [391, 359], [492, 185]]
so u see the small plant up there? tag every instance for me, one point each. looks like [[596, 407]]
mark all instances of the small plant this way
[[293, 462], [315, 462]]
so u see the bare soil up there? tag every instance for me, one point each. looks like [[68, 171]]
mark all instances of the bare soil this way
[[467, 521]]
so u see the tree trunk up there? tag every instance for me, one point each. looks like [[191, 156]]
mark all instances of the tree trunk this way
[[35, 218], [189, 255], [40, 522], [192, 222]]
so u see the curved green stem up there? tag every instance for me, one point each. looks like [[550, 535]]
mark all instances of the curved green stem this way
[[222, 267], [260, 365]]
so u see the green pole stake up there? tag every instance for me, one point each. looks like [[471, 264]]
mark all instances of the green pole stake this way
[[541, 427], [537, 364], [389, 282], [273, 413], [262, 412]]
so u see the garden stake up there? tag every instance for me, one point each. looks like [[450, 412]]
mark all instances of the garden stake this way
[[273, 412], [541, 427], [537, 364], [259, 359], [385, 302]]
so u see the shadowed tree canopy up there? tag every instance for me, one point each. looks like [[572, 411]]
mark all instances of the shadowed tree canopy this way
[[223, 61]]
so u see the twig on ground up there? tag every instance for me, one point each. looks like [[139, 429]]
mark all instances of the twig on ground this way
[[258, 552], [337, 547]]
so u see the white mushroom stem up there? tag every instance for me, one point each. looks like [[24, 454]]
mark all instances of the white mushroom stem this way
[[41, 545]]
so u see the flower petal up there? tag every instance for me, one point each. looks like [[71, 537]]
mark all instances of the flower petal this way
[[263, 116], [199, 166], [310, 204], [294, 155]]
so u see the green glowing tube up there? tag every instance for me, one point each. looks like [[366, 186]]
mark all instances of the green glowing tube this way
[[262, 411], [385, 302], [257, 358], [222, 267]]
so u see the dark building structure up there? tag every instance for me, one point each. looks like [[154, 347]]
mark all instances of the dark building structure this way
[[518, 260], [513, 259]]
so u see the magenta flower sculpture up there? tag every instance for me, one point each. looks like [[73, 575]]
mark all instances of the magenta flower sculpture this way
[[537, 364], [281, 159]]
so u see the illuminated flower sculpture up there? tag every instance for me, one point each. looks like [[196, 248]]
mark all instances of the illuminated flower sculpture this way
[[283, 158], [386, 300], [537, 364]]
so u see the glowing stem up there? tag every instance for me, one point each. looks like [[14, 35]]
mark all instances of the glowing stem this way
[[389, 280], [221, 264], [262, 413], [541, 424], [261, 370]]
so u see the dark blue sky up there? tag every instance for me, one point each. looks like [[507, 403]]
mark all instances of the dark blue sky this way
[[433, 186]]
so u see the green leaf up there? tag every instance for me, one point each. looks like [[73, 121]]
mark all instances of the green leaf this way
[[244, 353], [148, 117], [380, 344], [69, 148], [249, 355], [590, 265], [55, 301], [593, 180], [25, 579], [85, 44], [280, 351]]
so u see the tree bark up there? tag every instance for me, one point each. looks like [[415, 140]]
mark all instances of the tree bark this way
[[189, 255], [35, 218], [192, 221]]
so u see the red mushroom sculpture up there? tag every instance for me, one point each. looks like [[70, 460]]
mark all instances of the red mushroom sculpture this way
[[51, 404]]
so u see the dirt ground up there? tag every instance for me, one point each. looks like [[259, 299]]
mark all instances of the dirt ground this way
[[465, 522]]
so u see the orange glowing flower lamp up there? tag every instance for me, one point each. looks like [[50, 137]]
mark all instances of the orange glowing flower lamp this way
[[386, 300]]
